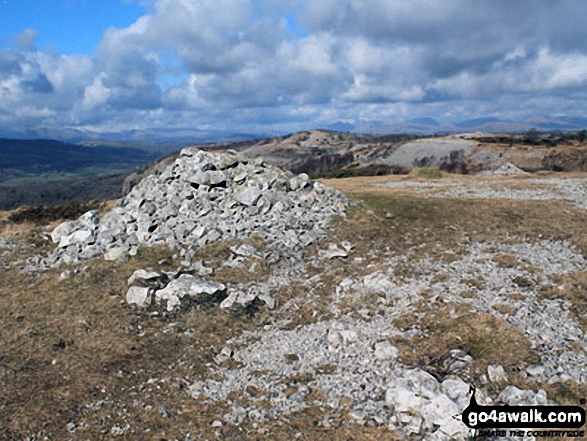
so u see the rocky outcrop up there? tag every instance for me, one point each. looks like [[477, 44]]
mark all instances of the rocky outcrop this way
[[445, 153]]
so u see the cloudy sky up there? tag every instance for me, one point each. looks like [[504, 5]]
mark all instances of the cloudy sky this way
[[275, 66]]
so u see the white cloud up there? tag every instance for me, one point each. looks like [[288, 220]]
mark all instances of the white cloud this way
[[237, 66]]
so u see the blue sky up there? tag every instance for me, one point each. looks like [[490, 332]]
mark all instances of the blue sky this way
[[70, 26], [112, 67]]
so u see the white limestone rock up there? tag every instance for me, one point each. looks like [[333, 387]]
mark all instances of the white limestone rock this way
[[186, 285], [385, 351], [138, 295], [201, 198], [333, 251], [512, 396], [496, 374], [248, 195], [116, 254], [63, 230], [150, 278], [245, 294]]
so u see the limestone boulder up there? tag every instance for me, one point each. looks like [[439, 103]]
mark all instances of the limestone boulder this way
[[188, 286]]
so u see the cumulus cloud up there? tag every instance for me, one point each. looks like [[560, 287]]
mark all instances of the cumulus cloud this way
[[237, 65]]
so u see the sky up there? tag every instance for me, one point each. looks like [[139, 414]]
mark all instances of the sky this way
[[276, 66]]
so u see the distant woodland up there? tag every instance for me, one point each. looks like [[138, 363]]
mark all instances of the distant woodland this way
[[45, 172], [25, 160]]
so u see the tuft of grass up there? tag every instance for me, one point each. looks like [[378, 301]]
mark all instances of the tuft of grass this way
[[506, 261], [426, 173], [454, 326]]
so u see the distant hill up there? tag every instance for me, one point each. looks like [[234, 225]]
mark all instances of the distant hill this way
[[61, 191], [43, 171], [48, 172], [30, 161]]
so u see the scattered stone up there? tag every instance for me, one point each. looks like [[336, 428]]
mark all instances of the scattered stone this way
[[225, 354], [163, 410], [496, 374], [358, 415], [245, 250], [149, 278], [117, 430], [349, 335], [246, 294], [117, 254], [535, 370], [507, 169], [334, 337], [201, 270], [512, 396], [71, 427], [333, 251], [421, 406], [188, 286], [568, 191]]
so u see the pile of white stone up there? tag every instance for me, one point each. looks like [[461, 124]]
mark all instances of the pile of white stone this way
[[199, 199]]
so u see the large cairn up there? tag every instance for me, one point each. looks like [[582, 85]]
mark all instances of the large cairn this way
[[199, 199]]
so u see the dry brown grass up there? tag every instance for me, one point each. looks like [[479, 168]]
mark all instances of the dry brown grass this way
[[83, 322], [573, 287], [368, 184], [426, 173], [488, 339], [105, 352], [448, 222], [101, 345]]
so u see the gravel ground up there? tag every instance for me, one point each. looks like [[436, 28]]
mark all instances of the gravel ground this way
[[349, 365], [350, 358], [572, 191]]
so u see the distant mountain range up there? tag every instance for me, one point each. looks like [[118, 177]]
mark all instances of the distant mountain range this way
[[428, 126], [165, 140]]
